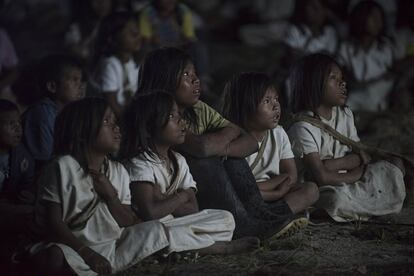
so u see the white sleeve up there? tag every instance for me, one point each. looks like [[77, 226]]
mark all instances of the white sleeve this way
[[50, 183], [353, 134], [124, 193], [108, 77], [305, 139], [187, 180], [292, 37], [140, 170], [286, 148]]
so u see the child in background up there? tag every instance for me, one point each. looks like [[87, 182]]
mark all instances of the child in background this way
[[162, 186], [367, 58], [309, 31], [60, 81], [252, 102], [402, 96], [84, 200], [169, 23], [351, 186], [117, 73], [227, 185], [16, 182], [82, 33], [166, 23]]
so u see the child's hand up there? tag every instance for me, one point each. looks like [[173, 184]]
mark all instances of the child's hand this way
[[103, 186], [96, 261]]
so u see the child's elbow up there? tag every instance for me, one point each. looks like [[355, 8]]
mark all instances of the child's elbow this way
[[322, 179]]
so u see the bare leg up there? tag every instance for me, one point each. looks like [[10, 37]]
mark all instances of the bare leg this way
[[301, 198], [241, 245]]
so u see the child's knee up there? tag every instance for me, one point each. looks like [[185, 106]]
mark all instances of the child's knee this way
[[397, 162], [312, 191]]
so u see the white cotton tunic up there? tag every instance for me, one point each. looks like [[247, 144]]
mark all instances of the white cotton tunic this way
[[114, 76], [381, 189], [302, 39], [189, 232], [63, 182], [277, 148], [368, 66]]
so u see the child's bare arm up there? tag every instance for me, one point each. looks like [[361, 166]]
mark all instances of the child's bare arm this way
[[61, 233], [323, 176], [242, 146], [275, 188], [210, 144], [152, 204], [288, 166], [348, 162], [123, 216], [188, 208]]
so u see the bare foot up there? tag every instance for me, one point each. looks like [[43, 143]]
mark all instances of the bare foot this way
[[241, 245]]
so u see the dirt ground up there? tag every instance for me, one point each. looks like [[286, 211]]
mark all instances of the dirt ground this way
[[322, 249]]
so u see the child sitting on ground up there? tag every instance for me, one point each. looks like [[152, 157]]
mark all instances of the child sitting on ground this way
[[162, 186], [252, 102]]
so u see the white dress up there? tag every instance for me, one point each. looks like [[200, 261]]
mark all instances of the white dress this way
[[114, 76], [302, 39], [63, 182], [380, 190], [189, 232], [277, 148], [368, 66]]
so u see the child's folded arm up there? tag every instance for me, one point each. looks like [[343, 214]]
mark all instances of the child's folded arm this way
[[324, 177], [151, 203]]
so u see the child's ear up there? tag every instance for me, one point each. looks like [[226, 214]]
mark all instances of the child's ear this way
[[51, 86]]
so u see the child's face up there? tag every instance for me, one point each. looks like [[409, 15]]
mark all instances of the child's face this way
[[129, 39], [188, 91], [109, 136], [335, 92], [374, 22], [10, 129], [174, 132], [69, 88], [267, 114]]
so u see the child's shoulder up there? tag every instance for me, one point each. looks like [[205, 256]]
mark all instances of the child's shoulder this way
[[279, 131]]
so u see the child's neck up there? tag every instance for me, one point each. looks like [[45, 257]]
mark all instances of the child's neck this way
[[258, 134], [95, 160], [124, 57], [324, 111], [162, 151]]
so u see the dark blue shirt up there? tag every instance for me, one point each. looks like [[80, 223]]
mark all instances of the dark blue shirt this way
[[39, 122]]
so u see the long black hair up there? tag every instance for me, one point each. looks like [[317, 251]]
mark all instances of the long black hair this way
[[162, 69], [77, 127], [143, 118], [242, 95], [307, 81], [357, 20], [111, 26]]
